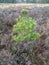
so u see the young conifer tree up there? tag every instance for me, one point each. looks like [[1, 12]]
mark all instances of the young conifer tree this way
[[25, 28]]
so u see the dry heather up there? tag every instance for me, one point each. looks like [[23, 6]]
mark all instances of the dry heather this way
[[12, 53]]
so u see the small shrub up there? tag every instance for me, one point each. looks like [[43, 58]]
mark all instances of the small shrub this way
[[25, 28], [24, 12]]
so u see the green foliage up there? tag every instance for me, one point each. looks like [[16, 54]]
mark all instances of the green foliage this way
[[24, 12], [23, 1], [7, 1], [25, 28]]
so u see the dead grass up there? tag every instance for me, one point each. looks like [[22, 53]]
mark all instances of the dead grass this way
[[22, 5]]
